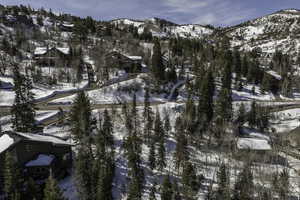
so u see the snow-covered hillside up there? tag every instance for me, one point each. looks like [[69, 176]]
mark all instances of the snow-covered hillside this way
[[279, 30]]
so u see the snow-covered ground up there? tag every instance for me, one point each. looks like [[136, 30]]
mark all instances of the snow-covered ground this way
[[7, 96]]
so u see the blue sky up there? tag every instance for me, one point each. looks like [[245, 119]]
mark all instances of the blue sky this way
[[216, 12]]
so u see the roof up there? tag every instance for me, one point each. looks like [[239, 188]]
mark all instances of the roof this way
[[5, 142], [41, 160], [42, 138], [40, 50], [134, 58], [44, 50], [253, 144]]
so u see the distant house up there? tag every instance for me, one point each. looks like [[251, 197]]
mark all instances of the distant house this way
[[36, 154], [254, 144], [49, 56], [130, 64], [67, 27]]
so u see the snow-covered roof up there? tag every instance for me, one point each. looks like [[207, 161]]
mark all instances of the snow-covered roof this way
[[5, 142], [43, 50], [40, 50], [43, 138], [253, 144], [134, 57], [68, 25], [65, 50], [127, 56], [41, 160]]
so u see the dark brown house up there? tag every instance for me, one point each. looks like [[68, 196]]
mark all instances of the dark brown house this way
[[130, 64], [50, 56], [36, 154]]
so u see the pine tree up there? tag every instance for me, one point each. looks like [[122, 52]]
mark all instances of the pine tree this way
[[224, 105], [189, 181], [12, 179], [237, 64], [252, 116], [167, 125], [52, 191], [166, 189], [181, 151], [84, 173], [207, 90], [152, 195], [23, 111], [133, 150], [160, 138], [161, 161], [245, 66], [223, 192], [83, 126], [152, 156], [284, 185], [244, 186], [32, 190], [105, 166], [81, 118], [158, 68], [148, 117], [241, 115]]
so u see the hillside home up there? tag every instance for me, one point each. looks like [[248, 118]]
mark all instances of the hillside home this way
[[66, 27], [36, 154], [130, 64], [50, 56]]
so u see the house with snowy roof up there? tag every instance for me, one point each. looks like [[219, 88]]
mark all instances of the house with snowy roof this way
[[130, 64], [66, 26], [36, 154], [50, 55]]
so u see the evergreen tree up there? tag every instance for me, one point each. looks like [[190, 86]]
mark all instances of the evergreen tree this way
[[81, 118], [223, 192], [23, 111], [161, 161], [244, 186], [148, 117], [241, 115], [152, 156], [181, 151], [82, 132], [189, 181], [158, 68], [224, 105], [207, 90], [133, 153], [167, 125], [237, 64], [12, 179], [166, 190], [105, 166], [245, 66], [160, 138], [52, 191], [152, 195], [32, 190], [252, 115]]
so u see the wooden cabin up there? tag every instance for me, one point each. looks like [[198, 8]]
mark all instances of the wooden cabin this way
[[130, 64], [36, 154], [50, 56]]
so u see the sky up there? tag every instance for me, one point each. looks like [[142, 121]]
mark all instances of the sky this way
[[215, 12]]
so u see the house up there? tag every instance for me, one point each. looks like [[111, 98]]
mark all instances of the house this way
[[67, 27], [36, 154], [130, 64], [50, 55]]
